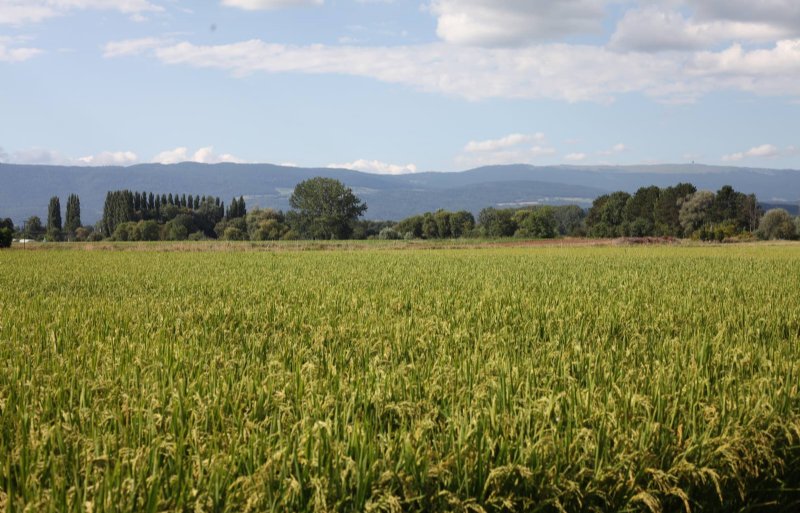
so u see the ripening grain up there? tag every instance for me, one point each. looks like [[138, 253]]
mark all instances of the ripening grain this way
[[588, 379]]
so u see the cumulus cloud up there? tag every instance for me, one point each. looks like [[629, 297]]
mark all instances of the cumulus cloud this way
[[504, 142], [575, 157], [571, 72], [654, 29], [514, 22], [777, 12], [43, 156], [110, 158], [511, 149], [203, 155], [781, 60], [763, 151], [617, 148], [38, 156], [256, 5], [10, 52], [117, 158], [377, 167], [18, 12], [132, 46], [647, 25]]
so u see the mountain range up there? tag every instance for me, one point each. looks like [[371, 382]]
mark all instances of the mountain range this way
[[26, 189]]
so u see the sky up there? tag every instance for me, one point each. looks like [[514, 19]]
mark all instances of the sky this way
[[400, 86]]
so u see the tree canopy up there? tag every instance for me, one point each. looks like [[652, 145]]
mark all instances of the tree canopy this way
[[680, 211], [73, 219], [6, 232], [324, 208], [777, 224], [54, 219]]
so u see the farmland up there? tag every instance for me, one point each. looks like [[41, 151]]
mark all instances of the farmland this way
[[474, 379]]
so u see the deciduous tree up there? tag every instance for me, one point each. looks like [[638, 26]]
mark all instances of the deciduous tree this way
[[73, 218], [777, 224], [324, 208]]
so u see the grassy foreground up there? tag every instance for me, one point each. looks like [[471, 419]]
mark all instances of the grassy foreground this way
[[513, 379]]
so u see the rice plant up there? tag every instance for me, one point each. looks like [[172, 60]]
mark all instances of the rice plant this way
[[476, 380]]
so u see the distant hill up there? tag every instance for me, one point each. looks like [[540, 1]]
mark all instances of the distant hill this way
[[25, 189]]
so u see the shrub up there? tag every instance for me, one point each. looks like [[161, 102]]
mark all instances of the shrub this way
[[149, 230], [232, 233], [777, 224], [389, 234], [124, 232], [6, 236], [94, 236]]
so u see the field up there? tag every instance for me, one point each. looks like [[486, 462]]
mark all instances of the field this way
[[477, 379]]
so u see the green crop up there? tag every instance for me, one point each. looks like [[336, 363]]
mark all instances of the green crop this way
[[586, 379]]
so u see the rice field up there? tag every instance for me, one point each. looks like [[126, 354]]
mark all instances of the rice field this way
[[474, 380]]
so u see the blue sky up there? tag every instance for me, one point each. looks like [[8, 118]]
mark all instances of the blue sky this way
[[400, 86]]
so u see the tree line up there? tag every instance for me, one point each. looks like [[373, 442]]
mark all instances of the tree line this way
[[135, 216], [324, 208], [678, 211]]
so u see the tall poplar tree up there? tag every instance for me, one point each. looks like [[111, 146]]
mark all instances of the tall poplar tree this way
[[73, 219], [118, 209], [54, 218]]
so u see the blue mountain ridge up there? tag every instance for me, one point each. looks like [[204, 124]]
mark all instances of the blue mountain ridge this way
[[26, 189]]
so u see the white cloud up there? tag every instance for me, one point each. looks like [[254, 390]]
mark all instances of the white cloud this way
[[684, 25], [514, 22], [617, 148], [778, 12], [653, 29], [256, 5], [18, 12], [38, 156], [118, 158], [203, 155], [55, 158], [516, 155], [110, 158], [764, 64], [568, 72], [504, 142], [763, 151], [575, 157], [10, 52], [377, 167], [132, 46], [511, 149]]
